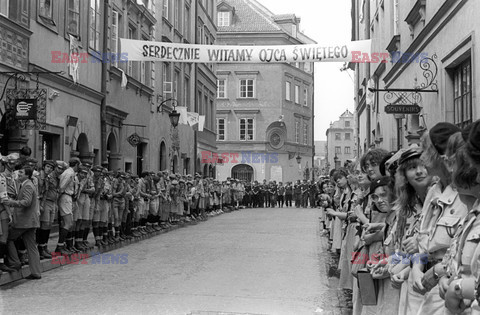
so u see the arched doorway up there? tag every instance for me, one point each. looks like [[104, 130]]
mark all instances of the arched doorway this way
[[210, 171], [243, 172], [205, 170], [175, 164], [198, 165], [82, 146], [163, 156], [111, 151]]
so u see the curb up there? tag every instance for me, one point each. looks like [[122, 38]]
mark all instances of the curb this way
[[47, 265]]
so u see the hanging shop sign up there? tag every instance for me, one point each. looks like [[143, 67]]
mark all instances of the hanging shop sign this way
[[139, 50], [134, 139], [26, 109], [402, 109]]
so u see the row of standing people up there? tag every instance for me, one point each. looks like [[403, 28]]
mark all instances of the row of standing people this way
[[114, 205], [407, 225]]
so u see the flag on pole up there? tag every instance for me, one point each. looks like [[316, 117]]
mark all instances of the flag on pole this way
[[183, 115], [192, 118], [124, 82], [201, 122]]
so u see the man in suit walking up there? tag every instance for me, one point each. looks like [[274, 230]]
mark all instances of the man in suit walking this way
[[25, 221]]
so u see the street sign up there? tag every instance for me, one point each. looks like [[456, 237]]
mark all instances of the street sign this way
[[26, 109], [402, 109]]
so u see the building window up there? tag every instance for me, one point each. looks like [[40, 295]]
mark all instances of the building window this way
[[338, 150], [347, 150], [463, 94], [246, 129], [297, 132], [166, 6], [222, 88], [220, 129], [297, 94], [247, 88], [186, 93], [305, 134], [187, 23], [73, 17], [46, 9], [94, 34], [114, 38], [4, 7], [305, 97], [143, 72], [131, 35], [176, 78], [223, 18], [347, 124], [347, 136], [338, 136], [288, 89], [178, 16]]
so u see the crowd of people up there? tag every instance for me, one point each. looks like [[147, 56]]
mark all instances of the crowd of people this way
[[114, 205], [407, 225]]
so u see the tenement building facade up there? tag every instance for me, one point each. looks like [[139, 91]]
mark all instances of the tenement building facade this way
[[431, 49], [264, 111]]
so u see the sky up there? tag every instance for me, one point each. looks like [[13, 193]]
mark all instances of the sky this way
[[326, 22]]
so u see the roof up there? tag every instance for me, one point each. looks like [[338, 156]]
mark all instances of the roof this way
[[250, 16]]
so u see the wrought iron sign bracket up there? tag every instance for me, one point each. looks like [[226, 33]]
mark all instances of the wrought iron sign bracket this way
[[21, 76], [406, 97]]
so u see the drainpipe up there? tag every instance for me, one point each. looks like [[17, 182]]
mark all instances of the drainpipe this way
[[367, 72], [313, 123], [195, 97], [103, 106]]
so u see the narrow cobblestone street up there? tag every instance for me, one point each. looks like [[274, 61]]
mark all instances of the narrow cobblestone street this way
[[254, 261]]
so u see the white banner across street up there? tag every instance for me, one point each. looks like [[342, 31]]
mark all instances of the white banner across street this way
[[139, 50]]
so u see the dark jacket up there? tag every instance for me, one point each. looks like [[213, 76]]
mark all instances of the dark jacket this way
[[26, 212]]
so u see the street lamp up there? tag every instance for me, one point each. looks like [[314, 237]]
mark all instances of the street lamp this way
[[335, 159], [174, 115], [298, 158]]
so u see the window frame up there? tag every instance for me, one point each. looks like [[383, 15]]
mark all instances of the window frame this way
[[246, 119], [297, 94], [246, 92], [223, 18], [338, 150], [297, 132], [305, 133], [220, 91], [288, 91], [97, 23], [338, 136], [224, 131], [349, 136], [305, 97], [462, 94], [6, 6], [114, 42], [67, 18], [347, 150]]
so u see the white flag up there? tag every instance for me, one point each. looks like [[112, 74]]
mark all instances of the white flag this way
[[201, 122], [73, 65], [192, 118], [124, 79], [183, 115]]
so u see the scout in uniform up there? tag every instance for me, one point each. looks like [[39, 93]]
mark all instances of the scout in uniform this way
[[48, 195], [66, 190], [99, 184]]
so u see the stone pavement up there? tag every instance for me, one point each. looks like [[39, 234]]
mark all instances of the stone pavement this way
[[253, 261]]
